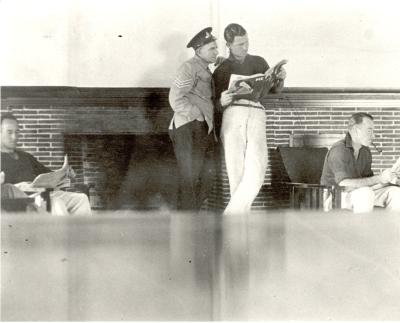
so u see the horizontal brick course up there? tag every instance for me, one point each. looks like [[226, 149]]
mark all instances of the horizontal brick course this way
[[46, 115]]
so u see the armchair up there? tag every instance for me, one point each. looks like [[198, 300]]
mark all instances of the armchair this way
[[303, 166], [21, 204]]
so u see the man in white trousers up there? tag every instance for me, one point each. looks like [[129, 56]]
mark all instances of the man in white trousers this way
[[243, 121], [348, 164]]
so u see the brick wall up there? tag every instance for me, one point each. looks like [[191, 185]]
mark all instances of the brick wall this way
[[50, 115]]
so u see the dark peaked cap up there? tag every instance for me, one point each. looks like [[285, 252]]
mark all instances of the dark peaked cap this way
[[202, 38]]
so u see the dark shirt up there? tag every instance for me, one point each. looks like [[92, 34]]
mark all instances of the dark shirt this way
[[341, 164], [251, 65], [23, 169]]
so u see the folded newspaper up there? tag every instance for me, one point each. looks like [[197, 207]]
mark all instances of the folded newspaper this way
[[396, 169], [53, 179], [251, 87]]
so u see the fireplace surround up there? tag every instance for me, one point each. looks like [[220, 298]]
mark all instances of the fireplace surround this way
[[103, 127]]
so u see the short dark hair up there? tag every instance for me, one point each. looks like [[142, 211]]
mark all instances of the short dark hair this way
[[358, 118], [7, 115], [233, 30]]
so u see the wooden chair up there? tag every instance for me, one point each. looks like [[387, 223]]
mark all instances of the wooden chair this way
[[303, 166], [21, 204], [16, 205], [81, 188], [314, 140]]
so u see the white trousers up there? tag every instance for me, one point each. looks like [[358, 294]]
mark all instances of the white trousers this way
[[363, 199], [245, 146], [69, 203]]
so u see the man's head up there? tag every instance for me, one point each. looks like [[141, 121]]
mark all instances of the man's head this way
[[9, 132], [204, 45], [237, 41], [361, 128]]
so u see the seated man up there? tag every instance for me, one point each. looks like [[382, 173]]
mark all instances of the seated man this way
[[19, 167], [348, 164]]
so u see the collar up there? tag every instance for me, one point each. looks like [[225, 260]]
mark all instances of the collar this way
[[233, 59], [14, 154], [201, 62], [348, 142]]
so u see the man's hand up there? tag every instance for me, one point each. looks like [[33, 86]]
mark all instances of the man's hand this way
[[65, 181], [396, 180], [70, 172], [387, 176], [226, 98], [281, 75]]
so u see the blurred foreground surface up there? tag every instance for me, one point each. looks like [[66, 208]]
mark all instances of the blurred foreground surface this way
[[149, 266]]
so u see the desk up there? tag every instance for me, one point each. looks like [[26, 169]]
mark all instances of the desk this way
[[138, 266]]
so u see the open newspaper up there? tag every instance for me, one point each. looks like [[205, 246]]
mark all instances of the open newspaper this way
[[396, 169], [251, 87], [52, 179]]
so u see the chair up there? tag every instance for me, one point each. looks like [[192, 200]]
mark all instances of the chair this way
[[314, 140], [80, 188], [21, 204], [13, 200], [303, 166], [17, 204]]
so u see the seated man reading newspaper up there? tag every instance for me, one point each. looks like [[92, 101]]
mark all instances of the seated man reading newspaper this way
[[348, 164], [22, 175]]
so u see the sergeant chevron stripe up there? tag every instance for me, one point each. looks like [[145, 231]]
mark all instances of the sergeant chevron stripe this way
[[180, 84]]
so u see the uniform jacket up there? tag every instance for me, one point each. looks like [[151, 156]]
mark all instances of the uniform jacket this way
[[191, 94]]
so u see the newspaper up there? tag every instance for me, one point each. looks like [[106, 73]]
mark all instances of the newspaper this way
[[396, 169], [251, 87], [52, 179]]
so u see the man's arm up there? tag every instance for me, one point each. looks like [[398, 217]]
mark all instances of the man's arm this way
[[279, 79], [279, 82], [340, 162], [221, 81], [180, 103], [384, 178], [38, 167]]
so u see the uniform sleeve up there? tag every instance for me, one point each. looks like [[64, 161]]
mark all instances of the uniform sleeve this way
[[340, 164], [178, 94]]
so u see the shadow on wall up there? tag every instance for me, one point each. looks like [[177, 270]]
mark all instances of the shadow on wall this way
[[173, 53]]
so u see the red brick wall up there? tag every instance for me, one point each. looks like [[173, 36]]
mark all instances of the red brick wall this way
[[46, 113]]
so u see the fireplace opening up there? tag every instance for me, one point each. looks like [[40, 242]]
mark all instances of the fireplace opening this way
[[128, 171]]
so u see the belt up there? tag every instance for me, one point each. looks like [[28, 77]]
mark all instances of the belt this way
[[247, 105]]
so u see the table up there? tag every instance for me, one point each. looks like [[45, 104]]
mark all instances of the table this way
[[164, 266]]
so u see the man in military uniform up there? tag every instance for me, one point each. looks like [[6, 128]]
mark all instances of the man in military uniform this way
[[191, 128]]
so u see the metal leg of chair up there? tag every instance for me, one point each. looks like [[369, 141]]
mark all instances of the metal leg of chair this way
[[292, 197], [307, 198], [48, 204], [314, 198], [46, 197], [320, 198], [299, 198], [337, 198]]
